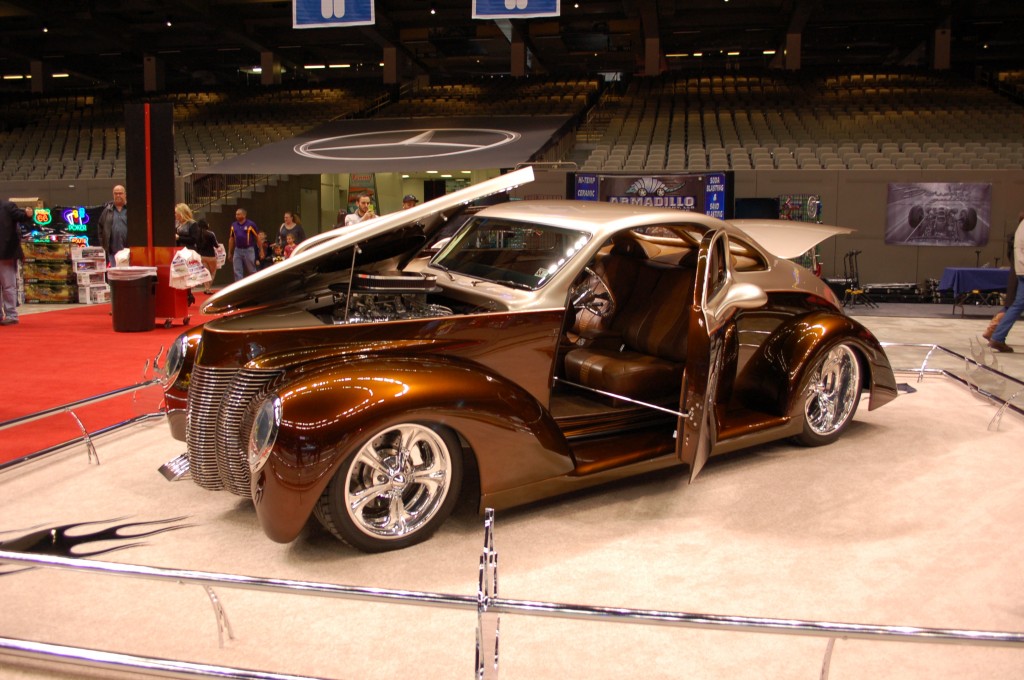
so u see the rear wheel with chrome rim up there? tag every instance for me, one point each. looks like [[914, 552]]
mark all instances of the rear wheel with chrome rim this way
[[830, 396]]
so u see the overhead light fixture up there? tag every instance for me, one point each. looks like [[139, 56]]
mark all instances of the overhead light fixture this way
[[340, 66], [431, 172], [45, 29], [732, 54], [698, 54], [676, 55], [168, 22], [59, 75], [447, 176], [466, 172], [14, 77], [768, 52], [314, 67], [433, 10]]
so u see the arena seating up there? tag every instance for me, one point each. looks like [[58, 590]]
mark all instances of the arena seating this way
[[677, 122], [82, 137], [787, 121]]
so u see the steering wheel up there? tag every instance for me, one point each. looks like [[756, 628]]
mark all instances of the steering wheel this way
[[593, 294]]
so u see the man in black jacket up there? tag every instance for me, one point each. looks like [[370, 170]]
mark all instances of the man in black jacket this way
[[113, 224], [10, 253]]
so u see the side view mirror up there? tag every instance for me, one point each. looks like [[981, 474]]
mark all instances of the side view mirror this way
[[736, 296], [744, 296]]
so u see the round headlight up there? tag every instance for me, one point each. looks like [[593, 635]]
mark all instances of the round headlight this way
[[175, 358], [264, 432]]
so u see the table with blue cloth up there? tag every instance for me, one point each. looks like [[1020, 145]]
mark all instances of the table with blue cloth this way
[[974, 285]]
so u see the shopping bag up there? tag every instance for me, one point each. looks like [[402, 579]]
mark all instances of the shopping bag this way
[[222, 255], [188, 270], [123, 258], [198, 274]]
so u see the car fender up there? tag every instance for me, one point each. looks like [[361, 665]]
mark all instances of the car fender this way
[[773, 379], [329, 411]]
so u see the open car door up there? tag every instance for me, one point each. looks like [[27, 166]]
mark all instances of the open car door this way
[[716, 298]]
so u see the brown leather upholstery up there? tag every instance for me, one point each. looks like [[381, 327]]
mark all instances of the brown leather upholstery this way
[[645, 351]]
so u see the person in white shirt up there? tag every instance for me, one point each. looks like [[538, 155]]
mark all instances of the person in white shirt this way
[[364, 211]]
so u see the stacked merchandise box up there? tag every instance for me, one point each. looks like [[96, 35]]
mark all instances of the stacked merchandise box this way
[[48, 273], [90, 266], [92, 295]]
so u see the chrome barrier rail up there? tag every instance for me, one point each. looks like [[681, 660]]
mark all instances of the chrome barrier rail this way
[[166, 668], [86, 436], [486, 603], [70, 407], [978, 375]]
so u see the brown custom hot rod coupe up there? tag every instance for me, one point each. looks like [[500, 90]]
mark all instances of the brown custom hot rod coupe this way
[[546, 346]]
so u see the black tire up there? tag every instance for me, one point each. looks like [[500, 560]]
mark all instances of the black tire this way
[[916, 216], [395, 490], [830, 396]]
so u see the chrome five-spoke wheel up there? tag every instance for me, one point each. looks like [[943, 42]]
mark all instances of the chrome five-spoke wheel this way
[[395, 490], [831, 396]]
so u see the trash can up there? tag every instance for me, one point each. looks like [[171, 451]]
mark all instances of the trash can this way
[[132, 298]]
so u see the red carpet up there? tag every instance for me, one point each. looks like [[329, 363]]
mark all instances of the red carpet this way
[[54, 358]]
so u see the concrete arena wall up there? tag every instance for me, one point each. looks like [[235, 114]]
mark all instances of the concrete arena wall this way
[[850, 198], [857, 199]]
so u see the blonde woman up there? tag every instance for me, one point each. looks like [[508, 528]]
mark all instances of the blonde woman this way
[[186, 231]]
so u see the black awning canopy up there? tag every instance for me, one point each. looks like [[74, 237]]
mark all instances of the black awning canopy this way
[[401, 145]]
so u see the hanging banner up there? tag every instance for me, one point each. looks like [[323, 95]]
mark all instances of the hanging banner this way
[[938, 214], [515, 9], [359, 184], [331, 13], [706, 192]]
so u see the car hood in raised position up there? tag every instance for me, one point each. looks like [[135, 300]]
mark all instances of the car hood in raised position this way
[[317, 261]]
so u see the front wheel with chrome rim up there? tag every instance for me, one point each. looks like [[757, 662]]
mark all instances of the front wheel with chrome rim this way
[[394, 490], [830, 396]]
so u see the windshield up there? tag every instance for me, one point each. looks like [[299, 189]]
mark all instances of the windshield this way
[[509, 252]]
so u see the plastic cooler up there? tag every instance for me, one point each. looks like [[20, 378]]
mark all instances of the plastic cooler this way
[[171, 303], [132, 298]]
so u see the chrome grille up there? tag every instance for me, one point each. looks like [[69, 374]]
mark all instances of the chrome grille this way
[[218, 399]]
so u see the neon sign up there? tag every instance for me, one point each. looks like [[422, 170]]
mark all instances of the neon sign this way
[[76, 219], [41, 216]]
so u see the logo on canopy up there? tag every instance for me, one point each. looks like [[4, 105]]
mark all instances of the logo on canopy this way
[[406, 144]]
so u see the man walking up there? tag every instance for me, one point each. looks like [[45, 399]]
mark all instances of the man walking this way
[[242, 245], [113, 225], [10, 253], [1016, 308]]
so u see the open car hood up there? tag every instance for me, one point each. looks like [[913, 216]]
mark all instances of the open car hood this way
[[317, 261], [787, 238]]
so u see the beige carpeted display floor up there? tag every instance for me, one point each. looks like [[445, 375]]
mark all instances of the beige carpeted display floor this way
[[914, 518]]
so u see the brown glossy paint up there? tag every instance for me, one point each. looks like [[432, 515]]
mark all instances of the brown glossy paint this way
[[474, 385]]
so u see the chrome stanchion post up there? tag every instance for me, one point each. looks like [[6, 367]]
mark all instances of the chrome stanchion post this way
[[93, 456], [828, 658], [998, 417], [222, 617], [487, 621], [924, 363]]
